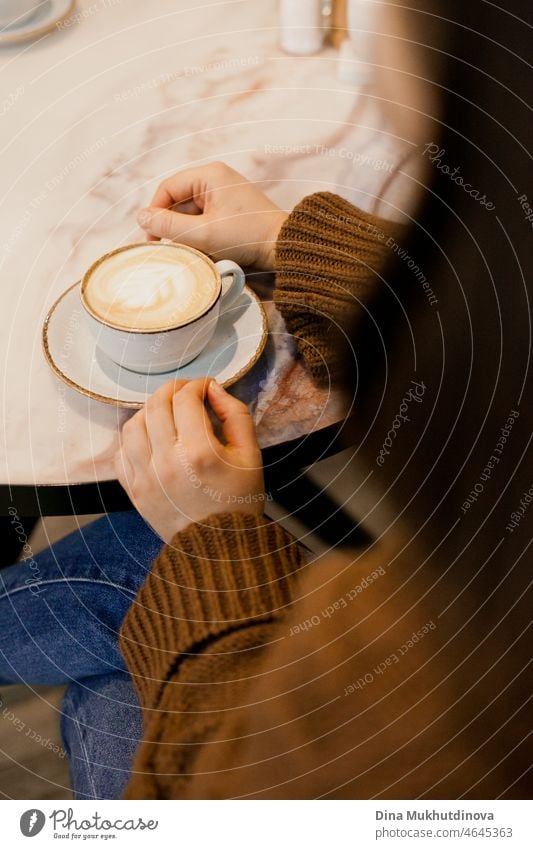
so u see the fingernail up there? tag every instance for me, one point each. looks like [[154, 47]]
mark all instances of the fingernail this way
[[144, 216], [217, 388]]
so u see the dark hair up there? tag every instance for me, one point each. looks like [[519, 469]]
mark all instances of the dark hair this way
[[458, 474], [471, 347]]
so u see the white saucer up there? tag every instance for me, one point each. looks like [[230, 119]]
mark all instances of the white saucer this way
[[45, 18], [70, 350]]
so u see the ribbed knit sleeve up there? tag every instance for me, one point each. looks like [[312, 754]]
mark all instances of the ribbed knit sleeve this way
[[194, 633], [329, 255], [217, 576]]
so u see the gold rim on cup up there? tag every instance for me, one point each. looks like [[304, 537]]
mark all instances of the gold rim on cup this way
[[165, 328]]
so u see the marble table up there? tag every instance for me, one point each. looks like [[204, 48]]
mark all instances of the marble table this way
[[94, 115]]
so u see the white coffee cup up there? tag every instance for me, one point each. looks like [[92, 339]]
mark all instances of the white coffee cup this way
[[17, 11], [153, 306]]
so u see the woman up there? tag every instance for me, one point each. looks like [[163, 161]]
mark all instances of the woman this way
[[399, 672]]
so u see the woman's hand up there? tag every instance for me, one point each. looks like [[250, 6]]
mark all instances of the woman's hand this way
[[173, 467], [218, 211]]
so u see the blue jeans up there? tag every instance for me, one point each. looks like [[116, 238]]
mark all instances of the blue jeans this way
[[60, 615]]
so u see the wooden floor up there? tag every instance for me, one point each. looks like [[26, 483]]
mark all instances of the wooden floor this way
[[33, 764]]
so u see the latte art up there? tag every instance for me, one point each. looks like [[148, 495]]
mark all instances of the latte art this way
[[148, 287]]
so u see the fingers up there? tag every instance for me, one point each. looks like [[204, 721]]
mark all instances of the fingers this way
[[159, 417], [178, 226], [188, 207], [192, 185], [185, 186], [190, 416], [144, 216], [237, 425], [177, 411], [135, 451], [175, 200]]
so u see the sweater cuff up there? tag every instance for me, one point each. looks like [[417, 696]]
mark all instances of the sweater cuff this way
[[231, 571], [329, 255]]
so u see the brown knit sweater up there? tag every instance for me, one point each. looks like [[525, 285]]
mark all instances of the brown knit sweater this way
[[329, 256], [260, 676]]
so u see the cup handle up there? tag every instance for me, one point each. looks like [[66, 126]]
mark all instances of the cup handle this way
[[233, 280]]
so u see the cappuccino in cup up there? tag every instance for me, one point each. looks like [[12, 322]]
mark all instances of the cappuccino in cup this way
[[151, 287], [153, 306]]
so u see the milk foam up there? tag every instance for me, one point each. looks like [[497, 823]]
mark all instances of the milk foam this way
[[150, 287]]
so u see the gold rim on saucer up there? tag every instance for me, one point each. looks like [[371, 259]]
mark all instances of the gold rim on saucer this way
[[35, 32], [137, 405]]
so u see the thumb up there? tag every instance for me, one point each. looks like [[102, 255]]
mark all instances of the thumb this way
[[167, 224], [237, 425]]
